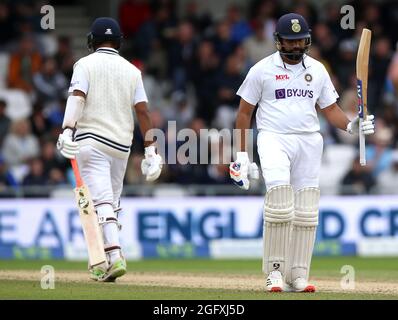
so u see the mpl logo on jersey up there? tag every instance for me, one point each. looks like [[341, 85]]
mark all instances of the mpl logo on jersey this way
[[287, 93], [281, 77]]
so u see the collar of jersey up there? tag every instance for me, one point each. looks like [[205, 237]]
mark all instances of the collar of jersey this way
[[279, 62], [107, 50]]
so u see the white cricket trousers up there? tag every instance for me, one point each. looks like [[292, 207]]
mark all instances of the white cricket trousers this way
[[290, 159], [103, 175]]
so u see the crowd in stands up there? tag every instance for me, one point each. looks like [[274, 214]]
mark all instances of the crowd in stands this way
[[192, 63]]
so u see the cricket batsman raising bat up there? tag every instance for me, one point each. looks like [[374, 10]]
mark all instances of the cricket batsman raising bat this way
[[288, 87], [98, 131]]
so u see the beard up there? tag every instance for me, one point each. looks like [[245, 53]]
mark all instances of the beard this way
[[296, 54]]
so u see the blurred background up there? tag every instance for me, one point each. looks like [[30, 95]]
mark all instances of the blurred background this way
[[193, 56]]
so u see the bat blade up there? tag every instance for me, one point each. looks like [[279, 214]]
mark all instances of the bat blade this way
[[362, 67], [91, 229]]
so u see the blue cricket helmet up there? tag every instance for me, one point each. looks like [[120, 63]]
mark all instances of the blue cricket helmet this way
[[292, 26], [104, 29]]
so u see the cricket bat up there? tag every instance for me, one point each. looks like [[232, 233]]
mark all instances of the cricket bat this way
[[362, 87], [89, 221]]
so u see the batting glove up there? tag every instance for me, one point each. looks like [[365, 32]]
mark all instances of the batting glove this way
[[151, 166], [241, 170], [66, 146], [367, 127]]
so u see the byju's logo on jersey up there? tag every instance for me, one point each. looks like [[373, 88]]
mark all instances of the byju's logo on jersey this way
[[287, 93]]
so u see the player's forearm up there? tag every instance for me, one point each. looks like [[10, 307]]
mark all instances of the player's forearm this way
[[145, 122], [242, 124], [336, 117], [73, 111], [243, 121]]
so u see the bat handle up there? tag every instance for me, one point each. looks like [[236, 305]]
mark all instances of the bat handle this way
[[362, 145], [75, 168]]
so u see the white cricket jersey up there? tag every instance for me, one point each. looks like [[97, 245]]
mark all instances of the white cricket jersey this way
[[287, 94], [112, 86]]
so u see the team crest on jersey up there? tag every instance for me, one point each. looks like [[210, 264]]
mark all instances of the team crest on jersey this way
[[295, 25], [308, 77]]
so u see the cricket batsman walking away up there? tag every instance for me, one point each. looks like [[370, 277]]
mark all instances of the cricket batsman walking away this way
[[98, 131], [289, 86]]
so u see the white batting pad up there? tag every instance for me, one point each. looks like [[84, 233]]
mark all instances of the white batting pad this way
[[109, 225], [303, 233], [278, 214]]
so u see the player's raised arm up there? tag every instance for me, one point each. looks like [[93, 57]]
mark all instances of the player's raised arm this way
[[336, 117]]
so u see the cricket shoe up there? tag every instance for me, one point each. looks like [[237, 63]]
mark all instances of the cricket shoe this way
[[300, 285], [274, 282], [116, 270], [97, 272]]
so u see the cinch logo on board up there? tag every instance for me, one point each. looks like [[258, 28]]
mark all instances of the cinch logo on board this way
[[286, 93], [281, 77]]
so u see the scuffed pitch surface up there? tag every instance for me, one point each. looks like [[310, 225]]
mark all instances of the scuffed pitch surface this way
[[204, 281]]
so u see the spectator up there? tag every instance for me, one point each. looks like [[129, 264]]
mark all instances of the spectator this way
[[5, 122], [393, 71], [56, 177], [20, 144], [379, 154], [326, 41], [6, 177], [223, 43], [390, 116], [64, 57], [266, 12], [181, 111], [23, 65], [240, 28], [347, 62], [51, 85], [201, 22], [186, 173], [333, 20], [36, 176], [154, 35], [257, 46], [51, 159], [228, 101], [205, 76], [132, 14], [7, 30], [387, 181], [380, 61], [182, 55], [39, 123], [358, 180]]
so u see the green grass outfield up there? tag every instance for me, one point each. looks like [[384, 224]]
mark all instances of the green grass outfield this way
[[375, 278]]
